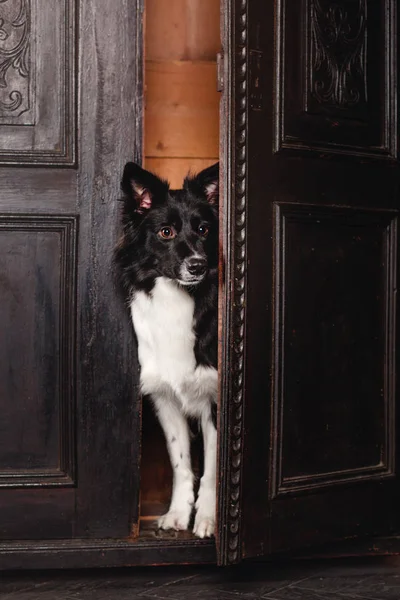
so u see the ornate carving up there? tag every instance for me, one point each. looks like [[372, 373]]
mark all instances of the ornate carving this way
[[338, 52], [238, 301], [14, 52], [47, 136]]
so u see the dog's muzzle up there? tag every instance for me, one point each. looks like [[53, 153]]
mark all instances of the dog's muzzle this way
[[197, 266], [193, 270]]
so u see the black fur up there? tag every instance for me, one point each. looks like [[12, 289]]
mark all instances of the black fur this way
[[143, 255]]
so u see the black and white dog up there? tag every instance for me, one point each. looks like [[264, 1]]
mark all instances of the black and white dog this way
[[168, 262]]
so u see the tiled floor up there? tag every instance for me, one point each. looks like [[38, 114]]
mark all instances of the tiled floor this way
[[368, 579]]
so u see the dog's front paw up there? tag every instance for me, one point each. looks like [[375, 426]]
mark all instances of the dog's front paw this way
[[174, 519], [204, 525]]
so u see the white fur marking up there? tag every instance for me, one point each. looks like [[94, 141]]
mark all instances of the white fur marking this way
[[204, 524], [175, 428], [163, 323]]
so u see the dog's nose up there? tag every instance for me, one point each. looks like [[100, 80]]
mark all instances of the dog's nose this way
[[196, 265]]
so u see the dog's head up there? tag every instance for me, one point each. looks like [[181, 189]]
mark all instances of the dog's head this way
[[170, 233]]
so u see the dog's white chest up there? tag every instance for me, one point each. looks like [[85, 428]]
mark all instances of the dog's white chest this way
[[163, 323]]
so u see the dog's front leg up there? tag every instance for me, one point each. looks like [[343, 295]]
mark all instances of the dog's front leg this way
[[176, 433], [204, 524]]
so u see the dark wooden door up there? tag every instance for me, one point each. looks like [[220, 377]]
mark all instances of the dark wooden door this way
[[309, 438], [69, 108]]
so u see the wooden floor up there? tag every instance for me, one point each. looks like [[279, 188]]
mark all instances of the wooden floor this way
[[350, 579]]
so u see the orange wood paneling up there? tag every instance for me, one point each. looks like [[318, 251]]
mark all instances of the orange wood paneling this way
[[182, 110], [182, 29]]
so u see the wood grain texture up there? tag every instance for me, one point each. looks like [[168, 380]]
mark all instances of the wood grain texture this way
[[182, 29], [108, 401], [41, 190], [74, 430], [80, 554], [181, 124], [182, 103]]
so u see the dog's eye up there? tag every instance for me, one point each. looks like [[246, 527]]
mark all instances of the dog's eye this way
[[202, 230], [167, 233]]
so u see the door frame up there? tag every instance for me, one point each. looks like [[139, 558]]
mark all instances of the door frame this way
[[233, 281]]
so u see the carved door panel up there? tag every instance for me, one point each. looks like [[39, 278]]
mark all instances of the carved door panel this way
[[309, 334], [67, 433]]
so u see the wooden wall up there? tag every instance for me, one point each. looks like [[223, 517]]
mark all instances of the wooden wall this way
[[181, 132], [181, 129]]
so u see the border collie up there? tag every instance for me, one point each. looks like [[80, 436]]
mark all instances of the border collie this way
[[168, 264]]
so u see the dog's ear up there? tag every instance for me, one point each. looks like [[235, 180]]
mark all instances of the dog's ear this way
[[142, 187], [206, 182]]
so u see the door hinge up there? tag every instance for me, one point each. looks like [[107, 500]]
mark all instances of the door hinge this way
[[256, 92], [220, 72]]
